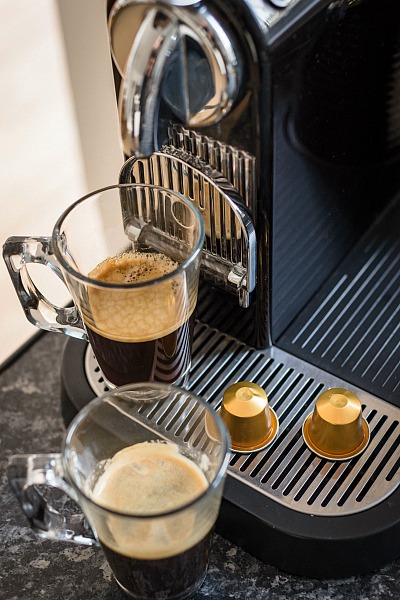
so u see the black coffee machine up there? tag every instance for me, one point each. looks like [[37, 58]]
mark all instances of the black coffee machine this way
[[280, 119]]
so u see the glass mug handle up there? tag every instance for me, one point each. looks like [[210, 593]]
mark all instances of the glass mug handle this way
[[25, 472], [19, 252]]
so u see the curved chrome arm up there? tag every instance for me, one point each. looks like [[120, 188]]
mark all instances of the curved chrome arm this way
[[162, 28], [139, 97]]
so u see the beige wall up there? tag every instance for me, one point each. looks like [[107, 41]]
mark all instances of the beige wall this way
[[87, 49], [58, 129]]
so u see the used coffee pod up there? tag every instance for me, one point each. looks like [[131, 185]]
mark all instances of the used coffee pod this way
[[336, 430], [251, 422]]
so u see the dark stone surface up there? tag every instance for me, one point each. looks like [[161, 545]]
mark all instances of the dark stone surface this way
[[33, 569]]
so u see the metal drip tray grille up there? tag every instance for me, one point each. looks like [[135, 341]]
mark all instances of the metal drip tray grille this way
[[287, 471]]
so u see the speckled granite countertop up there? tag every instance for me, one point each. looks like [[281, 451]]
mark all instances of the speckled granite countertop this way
[[31, 568]]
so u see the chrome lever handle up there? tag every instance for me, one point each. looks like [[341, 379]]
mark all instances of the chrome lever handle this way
[[139, 97], [162, 28]]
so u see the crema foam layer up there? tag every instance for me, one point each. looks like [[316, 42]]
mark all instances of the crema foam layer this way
[[140, 314], [145, 480], [149, 479], [133, 267]]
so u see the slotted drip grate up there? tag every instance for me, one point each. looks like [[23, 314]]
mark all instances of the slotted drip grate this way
[[351, 327], [287, 471]]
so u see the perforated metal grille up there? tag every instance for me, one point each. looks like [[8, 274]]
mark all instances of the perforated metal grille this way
[[287, 471]]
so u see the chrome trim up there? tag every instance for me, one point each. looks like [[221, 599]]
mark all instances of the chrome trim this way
[[140, 90], [229, 256], [163, 28], [287, 471], [237, 166]]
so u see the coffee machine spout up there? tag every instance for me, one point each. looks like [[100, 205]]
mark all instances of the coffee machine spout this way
[[139, 96]]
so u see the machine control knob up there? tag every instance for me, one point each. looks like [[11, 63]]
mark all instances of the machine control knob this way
[[178, 51]]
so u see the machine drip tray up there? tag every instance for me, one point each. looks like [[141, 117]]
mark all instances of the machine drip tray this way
[[285, 505]]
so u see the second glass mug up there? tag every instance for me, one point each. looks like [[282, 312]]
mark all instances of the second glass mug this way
[[146, 464], [130, 257]]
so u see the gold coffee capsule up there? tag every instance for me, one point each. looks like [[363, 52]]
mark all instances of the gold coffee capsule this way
[[251, 422], [336, 429]]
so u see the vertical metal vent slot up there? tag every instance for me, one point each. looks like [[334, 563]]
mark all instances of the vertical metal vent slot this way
[[237, 166]]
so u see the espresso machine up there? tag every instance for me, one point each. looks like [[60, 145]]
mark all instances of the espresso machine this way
[[280, 120]]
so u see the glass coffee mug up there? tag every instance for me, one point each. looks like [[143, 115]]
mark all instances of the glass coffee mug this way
[[146, 464], [130, 256]]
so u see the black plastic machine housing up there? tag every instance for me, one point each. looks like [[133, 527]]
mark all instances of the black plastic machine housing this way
[[320, 112]]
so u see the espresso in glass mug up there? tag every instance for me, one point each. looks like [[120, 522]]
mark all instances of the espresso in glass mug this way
[[146, 479], [153, 330], [133, 279], [146, 463]]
